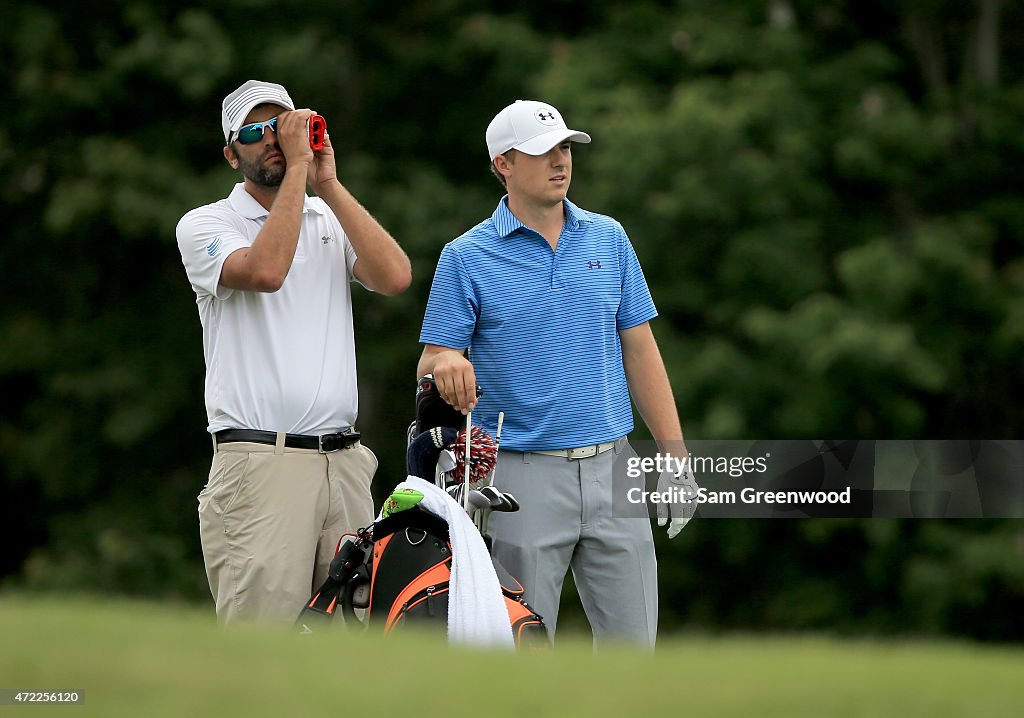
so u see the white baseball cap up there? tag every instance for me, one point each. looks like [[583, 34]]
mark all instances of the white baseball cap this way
[[529, 126], [252, 93]]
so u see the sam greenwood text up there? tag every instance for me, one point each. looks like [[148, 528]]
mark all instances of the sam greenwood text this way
[[748, 495], [733, 466]]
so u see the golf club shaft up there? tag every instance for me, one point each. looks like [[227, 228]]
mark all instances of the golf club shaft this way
[[486, 514], [469, 431]]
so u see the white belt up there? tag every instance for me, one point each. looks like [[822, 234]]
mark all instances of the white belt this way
[[580, 452]]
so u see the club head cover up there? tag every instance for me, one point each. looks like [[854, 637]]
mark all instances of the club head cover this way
[[432, 410], [483, 454], [422, 455]]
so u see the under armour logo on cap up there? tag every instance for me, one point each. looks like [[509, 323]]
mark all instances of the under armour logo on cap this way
[[546, 116]]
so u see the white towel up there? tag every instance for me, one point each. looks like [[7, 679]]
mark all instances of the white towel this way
[[476, 609]]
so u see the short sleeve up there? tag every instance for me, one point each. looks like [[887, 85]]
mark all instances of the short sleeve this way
[[350, 259], [452, 308], [205, 241], [637, 305]]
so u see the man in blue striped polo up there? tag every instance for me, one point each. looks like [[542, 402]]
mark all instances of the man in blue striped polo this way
[[544, 304]]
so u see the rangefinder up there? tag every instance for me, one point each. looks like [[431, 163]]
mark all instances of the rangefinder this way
[[317, 132]]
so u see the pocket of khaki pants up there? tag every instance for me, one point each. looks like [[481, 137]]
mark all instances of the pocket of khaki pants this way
[[371, 459], [226, 478]]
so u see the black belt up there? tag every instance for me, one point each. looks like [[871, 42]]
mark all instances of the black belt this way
[[324, 443]]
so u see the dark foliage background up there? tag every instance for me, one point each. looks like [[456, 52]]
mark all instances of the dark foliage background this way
[[826, 196]]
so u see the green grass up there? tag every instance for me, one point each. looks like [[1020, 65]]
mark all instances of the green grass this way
[[144, 660]]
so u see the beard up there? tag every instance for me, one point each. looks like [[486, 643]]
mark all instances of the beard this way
[[255, 172]]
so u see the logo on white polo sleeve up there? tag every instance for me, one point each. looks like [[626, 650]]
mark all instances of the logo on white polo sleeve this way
[[213, 247]]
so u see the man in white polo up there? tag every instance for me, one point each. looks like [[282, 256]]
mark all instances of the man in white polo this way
[[551, 304], [271, 268]]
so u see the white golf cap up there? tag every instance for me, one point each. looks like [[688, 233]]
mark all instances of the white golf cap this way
[[531, 127], [252, 93]]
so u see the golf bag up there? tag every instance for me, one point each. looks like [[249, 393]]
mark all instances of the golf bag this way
[[399, 568], [399, 571]]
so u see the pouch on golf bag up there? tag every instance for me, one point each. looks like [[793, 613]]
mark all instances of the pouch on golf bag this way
[[399, 570]]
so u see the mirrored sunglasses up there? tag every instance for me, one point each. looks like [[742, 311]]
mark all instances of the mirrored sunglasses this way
[[247, 134]]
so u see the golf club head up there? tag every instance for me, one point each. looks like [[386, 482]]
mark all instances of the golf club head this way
[[446, 461], [477, 500], [499, 501], [512, 501], [493, 497]]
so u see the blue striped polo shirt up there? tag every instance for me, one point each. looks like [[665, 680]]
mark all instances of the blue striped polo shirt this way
[[542, 326]]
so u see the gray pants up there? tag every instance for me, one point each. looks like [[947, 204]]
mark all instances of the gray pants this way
[[566, 520]]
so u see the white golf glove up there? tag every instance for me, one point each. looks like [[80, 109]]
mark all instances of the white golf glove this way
[[682, 487]]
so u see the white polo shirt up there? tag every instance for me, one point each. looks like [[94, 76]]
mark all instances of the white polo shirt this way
[[275, 361]]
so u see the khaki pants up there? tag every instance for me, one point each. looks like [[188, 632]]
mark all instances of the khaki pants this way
[[270, 519]]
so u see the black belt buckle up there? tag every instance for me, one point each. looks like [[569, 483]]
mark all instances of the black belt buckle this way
[[327, 443]]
